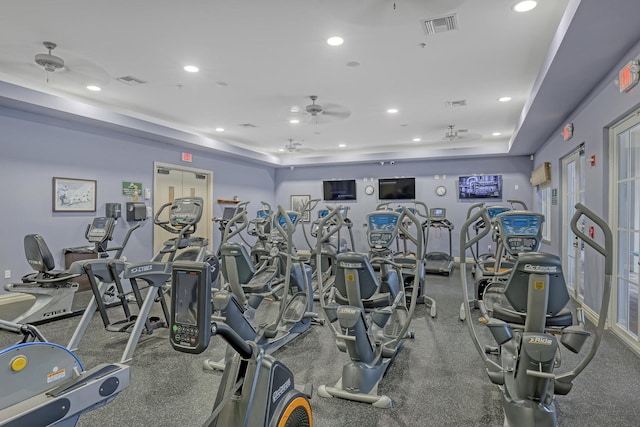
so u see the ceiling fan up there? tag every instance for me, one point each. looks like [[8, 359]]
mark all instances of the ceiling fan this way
[[321, 114], [296, 147], [69, 72]]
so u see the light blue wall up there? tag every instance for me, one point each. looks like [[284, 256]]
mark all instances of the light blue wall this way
[[515, 171], [604, 106], [35, 148]]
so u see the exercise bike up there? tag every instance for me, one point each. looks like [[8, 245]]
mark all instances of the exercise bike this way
[[256, 389], [527, 324], [45, 384]]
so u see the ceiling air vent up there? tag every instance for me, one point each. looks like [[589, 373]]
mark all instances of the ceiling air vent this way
[[440, 25], [459, 103], [130, 80], [247, 125]]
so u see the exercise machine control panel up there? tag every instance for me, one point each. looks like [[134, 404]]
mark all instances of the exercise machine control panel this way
[[521, 232], [437, 214], [186, 211], [101, 229], [382, 229], [190, 306]]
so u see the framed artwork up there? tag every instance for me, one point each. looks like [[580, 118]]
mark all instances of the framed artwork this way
[[74, 195], [297, 204]]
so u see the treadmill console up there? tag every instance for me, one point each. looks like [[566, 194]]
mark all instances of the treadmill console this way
[[521, 232], [382, 229], [322, 213], [190, 307], [437, 214], [186, 211]]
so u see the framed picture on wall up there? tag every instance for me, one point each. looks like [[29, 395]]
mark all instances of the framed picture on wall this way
[[74, 195], [297, 204]]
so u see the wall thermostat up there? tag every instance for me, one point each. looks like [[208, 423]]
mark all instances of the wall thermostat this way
[[369, 189], [441, 190]]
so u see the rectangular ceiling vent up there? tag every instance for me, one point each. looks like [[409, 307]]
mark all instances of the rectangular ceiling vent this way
[[459, 103], [247, 125], [130, 80], [440, 25]]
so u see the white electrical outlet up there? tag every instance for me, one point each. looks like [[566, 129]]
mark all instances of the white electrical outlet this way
[[7, 274]]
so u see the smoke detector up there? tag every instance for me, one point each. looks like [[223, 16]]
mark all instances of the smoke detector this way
[[50, 62]]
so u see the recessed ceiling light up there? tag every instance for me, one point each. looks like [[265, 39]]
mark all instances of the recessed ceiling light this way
[[294, 121], [94, 88], [191, 68], [525, 6], [335, 41], [281, 150], [504, 99], [392, 110], [219, 129], [496, 134], [417, 139], [342, 145]]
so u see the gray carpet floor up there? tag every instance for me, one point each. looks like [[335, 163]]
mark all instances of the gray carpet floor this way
[[437, 379]]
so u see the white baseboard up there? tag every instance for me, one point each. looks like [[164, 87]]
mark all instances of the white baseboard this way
[[12, 298]]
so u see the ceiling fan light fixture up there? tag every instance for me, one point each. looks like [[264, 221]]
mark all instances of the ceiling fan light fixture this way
[[525, 6], [335, 41]]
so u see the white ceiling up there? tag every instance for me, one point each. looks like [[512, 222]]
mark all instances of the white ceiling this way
[[260, 58]]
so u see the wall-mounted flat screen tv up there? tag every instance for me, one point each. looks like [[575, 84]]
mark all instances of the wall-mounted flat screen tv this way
[[480, 187], [339, 189], [397, 188]]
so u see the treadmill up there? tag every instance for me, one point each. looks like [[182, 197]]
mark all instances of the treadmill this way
[[438, 262]]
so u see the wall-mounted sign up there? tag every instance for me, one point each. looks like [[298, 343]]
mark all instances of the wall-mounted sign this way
[[629, 76], [567, 132], [186, 157], [131, 189]]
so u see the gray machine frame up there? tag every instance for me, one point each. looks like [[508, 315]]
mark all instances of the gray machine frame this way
[[364, 332], [48, 384], [528, 348]]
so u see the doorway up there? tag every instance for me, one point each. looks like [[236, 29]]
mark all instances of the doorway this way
[[625, 220], [171, 182], [572, 249]]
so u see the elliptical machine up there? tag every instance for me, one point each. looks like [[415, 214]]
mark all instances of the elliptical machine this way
[[526, 329], [371, 314], [256, 389], [295, 306]]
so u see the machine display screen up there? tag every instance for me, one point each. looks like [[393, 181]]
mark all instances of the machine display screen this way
[[323, 212], [293, 217], [521, 225], [263, 213], [99, 223], [228, 213], [186, 288], [437, 213], [383, 222], [496, 210]]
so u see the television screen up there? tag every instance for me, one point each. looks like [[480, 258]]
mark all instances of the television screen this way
[[480, 187], [339, 190], [397, 188]]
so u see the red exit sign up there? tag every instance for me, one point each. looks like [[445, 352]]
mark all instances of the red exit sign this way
[[186, 157], [629, 76]]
